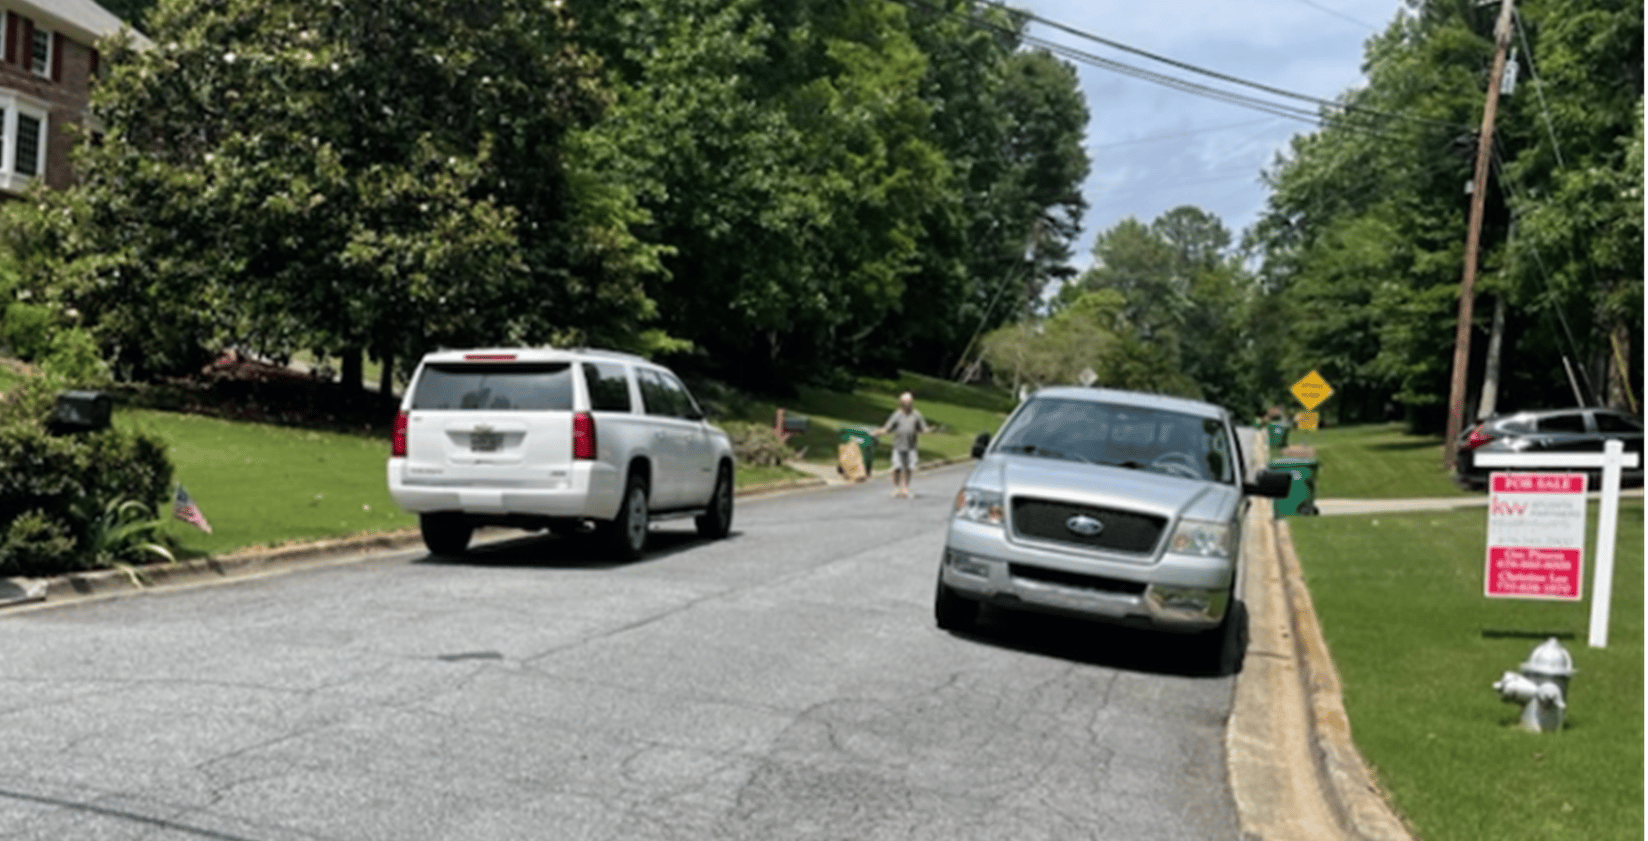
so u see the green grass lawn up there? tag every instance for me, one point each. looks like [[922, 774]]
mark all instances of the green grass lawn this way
[[260, 484], [263, 484], [1418, 647], [1377, 462], [957, 412]]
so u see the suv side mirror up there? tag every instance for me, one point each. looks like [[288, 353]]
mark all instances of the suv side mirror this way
[[1275, 484], [980, 444]]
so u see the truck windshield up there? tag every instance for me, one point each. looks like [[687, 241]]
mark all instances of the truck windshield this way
[[1156, 440]]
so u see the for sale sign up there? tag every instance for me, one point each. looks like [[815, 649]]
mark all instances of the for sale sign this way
[[1536, 535]]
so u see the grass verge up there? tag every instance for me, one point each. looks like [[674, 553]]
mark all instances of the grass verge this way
[[1418, 648], [958, 413], [1378, 461], [260, 484]]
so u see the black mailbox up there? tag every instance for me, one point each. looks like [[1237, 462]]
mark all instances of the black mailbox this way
[[81, 411]]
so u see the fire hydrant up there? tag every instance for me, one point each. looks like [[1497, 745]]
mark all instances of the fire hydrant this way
[[1542, 687]]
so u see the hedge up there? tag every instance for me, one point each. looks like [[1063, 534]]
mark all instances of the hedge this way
[[75, 501]]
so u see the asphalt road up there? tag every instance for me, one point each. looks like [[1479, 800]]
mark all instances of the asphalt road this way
[[784, 684]]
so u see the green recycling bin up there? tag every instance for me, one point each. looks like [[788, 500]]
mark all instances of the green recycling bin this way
[[1301, 498], [866, 447], [1278, 435]]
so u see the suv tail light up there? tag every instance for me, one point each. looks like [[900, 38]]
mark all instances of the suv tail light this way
[[1477, 438], [583, 436], [397, 436]]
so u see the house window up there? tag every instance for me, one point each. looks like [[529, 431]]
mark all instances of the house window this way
[[27, 161], [23, 127], [40, 47]]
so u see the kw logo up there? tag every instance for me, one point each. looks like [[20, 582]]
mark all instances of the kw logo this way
[[1500, 506]]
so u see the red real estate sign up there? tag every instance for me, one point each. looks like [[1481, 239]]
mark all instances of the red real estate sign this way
[[1536, 536]]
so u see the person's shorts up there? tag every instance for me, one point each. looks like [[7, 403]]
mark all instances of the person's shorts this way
[[904, 459]]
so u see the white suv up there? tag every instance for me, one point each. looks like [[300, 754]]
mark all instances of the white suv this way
[[556, 439]]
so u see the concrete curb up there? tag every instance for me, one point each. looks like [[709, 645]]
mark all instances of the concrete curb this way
[[1357, 797], [245, 562], [15, 592]]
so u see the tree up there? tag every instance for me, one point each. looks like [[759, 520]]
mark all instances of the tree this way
[[1363, 238], [340, 177]]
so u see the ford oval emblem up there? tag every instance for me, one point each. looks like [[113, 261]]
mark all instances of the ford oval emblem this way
[[1084, 525]]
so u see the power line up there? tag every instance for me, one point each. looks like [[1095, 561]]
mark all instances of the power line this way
[[1338, 14], [1176, 134], [1224, 77], [1272, 107]]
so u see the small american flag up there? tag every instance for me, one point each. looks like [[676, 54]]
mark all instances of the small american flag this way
[[185, 509]]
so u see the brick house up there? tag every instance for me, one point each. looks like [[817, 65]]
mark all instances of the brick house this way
[[48, 58]]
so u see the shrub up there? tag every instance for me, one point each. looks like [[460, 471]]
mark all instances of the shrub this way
[[79, 487], [75, 359], [756, 445], [26, 329]]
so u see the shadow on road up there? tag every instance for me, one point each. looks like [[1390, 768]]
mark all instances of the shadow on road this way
[[1117, 647], [578, 551]]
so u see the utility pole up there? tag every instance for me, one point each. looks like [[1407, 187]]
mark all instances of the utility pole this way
[[1473, 240]]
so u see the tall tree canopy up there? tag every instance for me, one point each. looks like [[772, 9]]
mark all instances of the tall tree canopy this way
[[282, 175], [840, 184], [1364, 236], [777, 189]]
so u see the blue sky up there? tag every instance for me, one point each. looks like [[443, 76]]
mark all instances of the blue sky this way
[[1154, 148]]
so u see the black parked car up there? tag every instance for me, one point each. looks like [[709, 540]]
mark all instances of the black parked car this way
[[1577, 430]]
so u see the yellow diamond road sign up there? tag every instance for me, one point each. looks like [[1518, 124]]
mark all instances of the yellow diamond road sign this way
[[1312, 390]]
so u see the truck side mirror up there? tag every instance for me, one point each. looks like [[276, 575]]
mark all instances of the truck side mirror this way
[[980, 444]]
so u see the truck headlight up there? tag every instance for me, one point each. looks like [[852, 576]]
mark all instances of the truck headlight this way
[[980, 506], [1201, 537]]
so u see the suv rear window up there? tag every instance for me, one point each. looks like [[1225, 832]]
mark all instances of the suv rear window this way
[[608, 387], [520, 386]]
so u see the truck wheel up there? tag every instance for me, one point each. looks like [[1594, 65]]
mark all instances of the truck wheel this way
[[953, 612]]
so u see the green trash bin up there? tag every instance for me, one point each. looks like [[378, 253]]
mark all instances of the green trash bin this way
[[1278, 435], [866, 446], [1301, 498]]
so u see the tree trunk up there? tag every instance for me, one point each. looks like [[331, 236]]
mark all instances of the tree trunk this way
[[352, 371], [386, 381], [1619, 391], [1490, 376]]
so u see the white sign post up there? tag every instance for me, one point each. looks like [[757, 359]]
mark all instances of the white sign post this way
[[1612, 460]]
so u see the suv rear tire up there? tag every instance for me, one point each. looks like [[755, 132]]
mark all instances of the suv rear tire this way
[[627, 533], [445, 533], [716, 521]]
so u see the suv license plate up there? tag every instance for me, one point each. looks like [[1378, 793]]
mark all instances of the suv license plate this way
[[485, 441]]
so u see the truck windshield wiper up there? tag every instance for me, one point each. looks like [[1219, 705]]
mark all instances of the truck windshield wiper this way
[[1046, 452]]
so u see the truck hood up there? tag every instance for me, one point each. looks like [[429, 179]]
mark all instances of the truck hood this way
[[1102, 486]]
